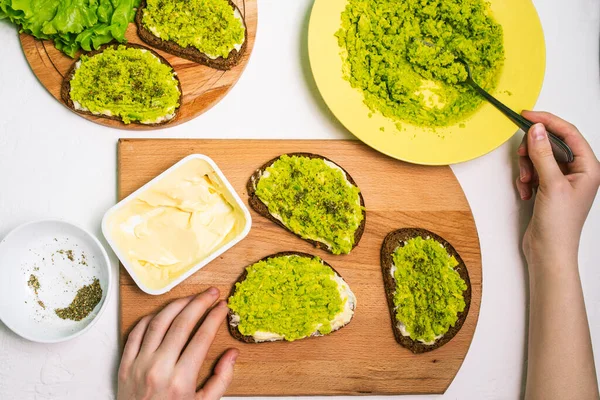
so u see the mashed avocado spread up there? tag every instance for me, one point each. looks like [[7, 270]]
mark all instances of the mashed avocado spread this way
[[429, 291], [313, 200], [291, 296], [131, 83], [211, 26], [403, 55]]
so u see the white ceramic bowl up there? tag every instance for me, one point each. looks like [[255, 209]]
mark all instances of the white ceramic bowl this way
[[41, 248], [125, 261]]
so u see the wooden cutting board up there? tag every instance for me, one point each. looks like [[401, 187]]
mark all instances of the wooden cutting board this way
[[362, 358], [202, 87]]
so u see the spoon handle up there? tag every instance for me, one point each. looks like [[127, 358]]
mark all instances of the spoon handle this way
[[562, 152]]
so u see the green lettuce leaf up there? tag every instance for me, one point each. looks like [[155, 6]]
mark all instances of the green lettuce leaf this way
[[72, 24]]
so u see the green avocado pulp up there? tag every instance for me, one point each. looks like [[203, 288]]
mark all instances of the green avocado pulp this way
[[402, 55], [429, 291], [208, 25], [127, 82], [291, 296], [313, 200]]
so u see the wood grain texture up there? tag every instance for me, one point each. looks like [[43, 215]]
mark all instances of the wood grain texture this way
[[362, 358], [202, 86]]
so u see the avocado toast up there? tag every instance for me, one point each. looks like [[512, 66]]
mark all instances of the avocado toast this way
[[427, 284], [124, 82], [289, 296], [312, 197], [215, 36]]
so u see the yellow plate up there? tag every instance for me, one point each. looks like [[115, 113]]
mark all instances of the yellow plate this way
[[518, 87]]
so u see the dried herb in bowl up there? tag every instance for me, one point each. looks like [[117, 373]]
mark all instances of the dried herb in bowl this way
[[86, 299]]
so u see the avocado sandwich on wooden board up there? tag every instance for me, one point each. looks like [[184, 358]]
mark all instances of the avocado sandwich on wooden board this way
[[312, 197], [209, 32], [427, 288], [289, 296], [124, 82]]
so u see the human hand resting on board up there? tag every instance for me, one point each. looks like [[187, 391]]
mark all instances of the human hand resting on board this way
[[564, 194], [156, 362]]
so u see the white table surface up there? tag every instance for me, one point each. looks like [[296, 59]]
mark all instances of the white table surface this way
[[54, 164]]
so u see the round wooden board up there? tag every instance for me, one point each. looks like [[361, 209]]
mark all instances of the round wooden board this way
[[202, 86]]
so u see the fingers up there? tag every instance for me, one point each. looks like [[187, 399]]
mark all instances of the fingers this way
[[132, 347], [540, 153], [527, 178], [158, 326], [525, 189], [522, 150], [566, 131], [183, 325], [217, 384], [526, 170], [193, 356], [553, 123]]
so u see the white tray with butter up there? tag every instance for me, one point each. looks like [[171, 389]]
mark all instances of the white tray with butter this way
[[176, 224]]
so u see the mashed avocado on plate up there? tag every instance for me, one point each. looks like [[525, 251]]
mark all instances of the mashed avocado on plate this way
[[290, 297], [402, 55], [127, 82], [213, 27], [313, 198], [429, 291]]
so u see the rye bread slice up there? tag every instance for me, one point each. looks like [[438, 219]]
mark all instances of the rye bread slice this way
[[262, 209], [191, 53], [396, 239], [65, 90], [233, 329]]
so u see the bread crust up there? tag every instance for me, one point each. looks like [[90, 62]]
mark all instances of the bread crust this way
[[391, 242], [191, 53], [234, 330], [65, 90], [261, 208]]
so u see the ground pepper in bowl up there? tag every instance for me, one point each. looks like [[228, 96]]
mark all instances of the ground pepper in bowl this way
[[403, 55]]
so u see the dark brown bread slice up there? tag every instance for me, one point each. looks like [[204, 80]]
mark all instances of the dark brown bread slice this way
[[65, 90], [396, 239], [191, 53], [261, 208], [235, 332]]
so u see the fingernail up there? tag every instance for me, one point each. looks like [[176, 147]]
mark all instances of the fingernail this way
[[539, 132], [222, 303], [522, 193], [213, 291], [234, 357]]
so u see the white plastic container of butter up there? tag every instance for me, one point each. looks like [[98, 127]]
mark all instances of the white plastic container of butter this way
[[243, 223]]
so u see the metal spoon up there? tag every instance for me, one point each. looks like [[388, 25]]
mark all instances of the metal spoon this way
[[562, 152]]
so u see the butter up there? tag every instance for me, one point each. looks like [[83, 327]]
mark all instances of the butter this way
[[175, 224]]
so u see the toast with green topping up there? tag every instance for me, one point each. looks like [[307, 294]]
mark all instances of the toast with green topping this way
[[427, 288], [208, 32], [125, 82], [312, 197], [289, 296]]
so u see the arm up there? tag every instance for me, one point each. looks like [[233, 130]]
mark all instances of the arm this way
[[560, 357]]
